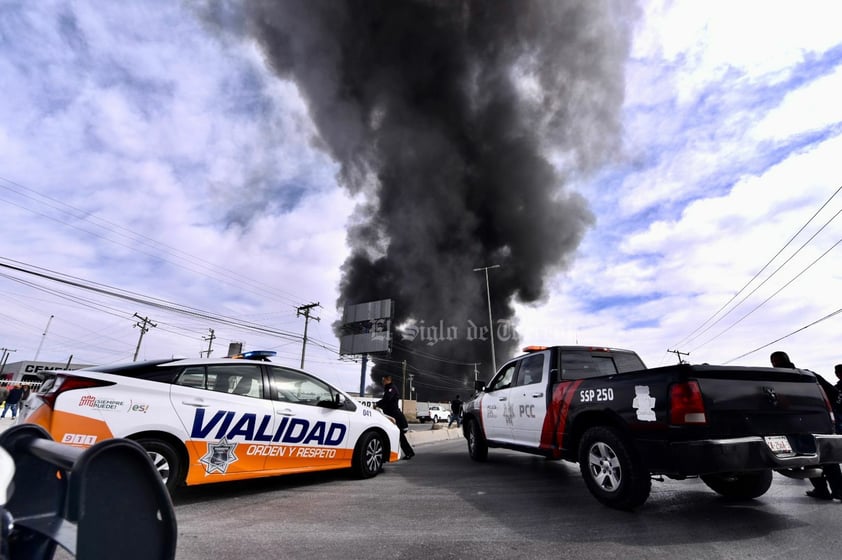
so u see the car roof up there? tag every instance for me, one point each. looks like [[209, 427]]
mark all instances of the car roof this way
[[584, 348], [129, 367]]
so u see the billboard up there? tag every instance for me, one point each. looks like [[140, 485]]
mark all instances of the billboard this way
[[366, 327]]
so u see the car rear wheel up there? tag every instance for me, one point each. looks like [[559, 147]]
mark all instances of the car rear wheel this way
[[477, 446], [166, 461], [369, 455], [739, 486], [613, 472]]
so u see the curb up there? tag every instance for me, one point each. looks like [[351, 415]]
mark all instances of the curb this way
[[420, 437]]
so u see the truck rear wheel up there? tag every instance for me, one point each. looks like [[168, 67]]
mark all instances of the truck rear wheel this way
[[613, 472], [477, 446], [739, 486]]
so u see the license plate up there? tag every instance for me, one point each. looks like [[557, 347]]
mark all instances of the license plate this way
[[778, 444]]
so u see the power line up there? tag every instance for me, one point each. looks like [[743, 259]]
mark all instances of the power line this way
[[135, 240], [817, 321], [765, 301], [698, 331], [144, 300], [690, 337]]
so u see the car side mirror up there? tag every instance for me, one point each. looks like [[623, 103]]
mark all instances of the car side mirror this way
[[479, 385]]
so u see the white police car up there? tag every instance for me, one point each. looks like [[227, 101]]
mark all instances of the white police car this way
[[212, 420]]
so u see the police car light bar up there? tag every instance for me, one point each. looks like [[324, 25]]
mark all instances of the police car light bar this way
[[262, 355]]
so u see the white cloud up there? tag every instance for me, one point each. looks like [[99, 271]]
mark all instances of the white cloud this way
[[813, 107]]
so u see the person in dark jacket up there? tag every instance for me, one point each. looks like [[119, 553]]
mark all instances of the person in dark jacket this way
[[831, 472], [456, 412], [390, 405], [837, 403], [12, 401]]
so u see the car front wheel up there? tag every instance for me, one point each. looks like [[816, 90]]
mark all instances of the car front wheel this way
[[369, 455]]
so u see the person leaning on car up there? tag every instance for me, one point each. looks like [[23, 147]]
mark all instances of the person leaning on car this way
[[831, 473], [389, 404]]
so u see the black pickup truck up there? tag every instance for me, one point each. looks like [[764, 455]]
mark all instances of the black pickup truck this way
[[624, 424]]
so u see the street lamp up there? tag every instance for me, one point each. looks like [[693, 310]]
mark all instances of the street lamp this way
[[490, 321]]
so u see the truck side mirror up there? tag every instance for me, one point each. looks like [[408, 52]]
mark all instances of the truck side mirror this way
[[479, 385]]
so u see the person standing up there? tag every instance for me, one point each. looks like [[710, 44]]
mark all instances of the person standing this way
[[837, 403], [456, 412], [831, 472], [781, 359], [12, 401], [390, 405]]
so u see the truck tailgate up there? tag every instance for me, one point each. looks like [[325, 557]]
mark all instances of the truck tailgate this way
[[761, 401]]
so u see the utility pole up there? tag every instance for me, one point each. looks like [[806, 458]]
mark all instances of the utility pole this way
[[210, 338], [679, 354], [142, 324], [403, 375], [305, 310], [490, 321], [6, 353], [43, 336], [362, 374]]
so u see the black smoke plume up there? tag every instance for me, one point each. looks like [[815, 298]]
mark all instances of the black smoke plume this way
[[458, 122]]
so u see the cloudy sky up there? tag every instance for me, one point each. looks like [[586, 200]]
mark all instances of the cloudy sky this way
[[165, 168]]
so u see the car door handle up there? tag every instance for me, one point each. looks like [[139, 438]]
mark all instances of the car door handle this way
[[537, 395], [285, 412], [502, 398], [199, 404]]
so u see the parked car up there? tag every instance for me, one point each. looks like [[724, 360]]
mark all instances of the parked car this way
[[213, 420], [435, 413]]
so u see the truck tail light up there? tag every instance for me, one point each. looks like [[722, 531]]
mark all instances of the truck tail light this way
[[686, 404], [70, 383]]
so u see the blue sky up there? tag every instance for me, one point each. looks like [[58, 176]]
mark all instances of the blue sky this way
[[140, 151]]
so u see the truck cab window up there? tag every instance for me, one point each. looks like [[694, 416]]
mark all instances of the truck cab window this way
[[531, 370], [580, 365], [504, 378]]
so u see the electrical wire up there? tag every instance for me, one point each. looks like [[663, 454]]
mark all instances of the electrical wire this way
[[805, 327], [693, 335]]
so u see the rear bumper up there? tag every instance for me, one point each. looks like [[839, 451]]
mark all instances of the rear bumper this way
[[739, 454]]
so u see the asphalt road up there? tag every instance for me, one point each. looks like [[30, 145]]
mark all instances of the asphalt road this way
[[442, 505]]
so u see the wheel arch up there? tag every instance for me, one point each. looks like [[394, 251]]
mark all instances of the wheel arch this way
[[589, 419], [176, 443], [380, 431]]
